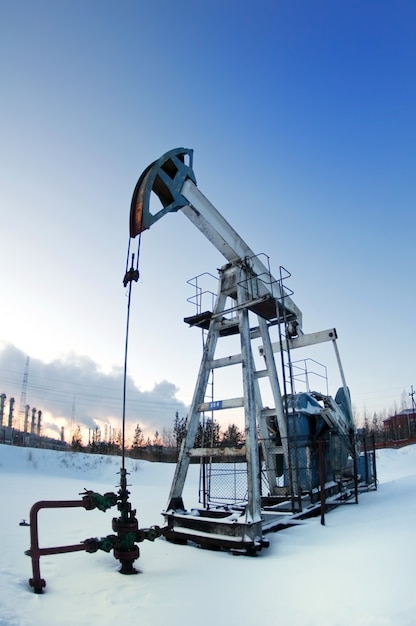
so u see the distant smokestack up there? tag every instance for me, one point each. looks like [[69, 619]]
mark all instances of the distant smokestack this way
[[26, 421], [39, 422], [62, 433], [2, 403], [32, 424], [11, 412]]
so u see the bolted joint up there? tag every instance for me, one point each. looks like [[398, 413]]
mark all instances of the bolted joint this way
[[127, 555], [91, 545], [88, 502], [150, 534], [104, 543], [38, 585], [122, 526], [94, 500]]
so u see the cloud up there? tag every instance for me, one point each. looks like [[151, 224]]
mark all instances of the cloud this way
[[73, 390]]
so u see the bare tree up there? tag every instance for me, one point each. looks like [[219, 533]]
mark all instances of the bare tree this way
[[403, 400], [167, 437]]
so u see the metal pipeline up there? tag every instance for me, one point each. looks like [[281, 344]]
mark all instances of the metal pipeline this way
[[35, 551], [123, 543]]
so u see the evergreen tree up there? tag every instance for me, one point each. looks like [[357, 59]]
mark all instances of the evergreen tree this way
[[208, 434], [138, 440], [117, 441], [95, 444], [179, 429], [157, 441], [76, 443], [232, 436]]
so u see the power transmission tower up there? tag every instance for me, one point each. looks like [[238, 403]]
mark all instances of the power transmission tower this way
[[23, 413]]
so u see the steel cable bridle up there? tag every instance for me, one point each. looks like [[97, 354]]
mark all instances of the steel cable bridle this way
[[131, 275]]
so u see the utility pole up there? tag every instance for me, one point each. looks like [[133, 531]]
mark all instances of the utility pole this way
[[412, 431], [412, 394]]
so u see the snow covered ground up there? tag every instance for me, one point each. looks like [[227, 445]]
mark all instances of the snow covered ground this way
[[357, 570]]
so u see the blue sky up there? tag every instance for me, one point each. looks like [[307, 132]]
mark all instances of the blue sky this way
[[301, 118]]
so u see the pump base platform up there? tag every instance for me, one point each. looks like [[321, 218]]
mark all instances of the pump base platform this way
[[215, 529], [227, 528]]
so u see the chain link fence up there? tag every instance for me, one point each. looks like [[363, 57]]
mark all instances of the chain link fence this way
[[296, 467]]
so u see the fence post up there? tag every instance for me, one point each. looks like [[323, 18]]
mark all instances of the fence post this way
[[374, 463], [321, 455], [355, 464]]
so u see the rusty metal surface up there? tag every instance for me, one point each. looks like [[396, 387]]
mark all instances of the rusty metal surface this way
[[164, 177], [35, 552]]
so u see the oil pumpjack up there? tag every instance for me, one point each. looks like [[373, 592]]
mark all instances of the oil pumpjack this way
[[283, 469], [299, 455]]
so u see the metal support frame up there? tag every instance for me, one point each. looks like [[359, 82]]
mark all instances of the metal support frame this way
[[239, 283], [253, 290]]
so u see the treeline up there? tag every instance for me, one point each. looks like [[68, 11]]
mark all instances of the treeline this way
[[162, 446], [208, 435]]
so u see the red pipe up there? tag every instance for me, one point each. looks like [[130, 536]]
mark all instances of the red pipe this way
[[35, 552]]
